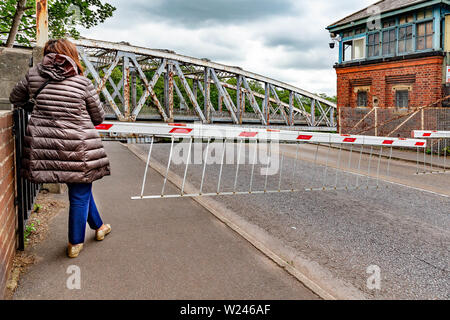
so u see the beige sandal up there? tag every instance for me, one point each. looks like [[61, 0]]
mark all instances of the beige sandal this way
[[74, 250], [100, 234]]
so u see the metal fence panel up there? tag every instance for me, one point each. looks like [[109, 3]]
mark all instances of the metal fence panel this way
[[26, 190]]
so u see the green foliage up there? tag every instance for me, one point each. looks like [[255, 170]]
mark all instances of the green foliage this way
[[37, 207], [29, 229], [443, 151], [63, 17], [331, 99], [446, 151]]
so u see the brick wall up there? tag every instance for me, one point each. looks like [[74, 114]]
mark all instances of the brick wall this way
[[14, 63], [421, 76], [7, 194]]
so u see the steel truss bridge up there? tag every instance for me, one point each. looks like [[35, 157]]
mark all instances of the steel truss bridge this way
[[241, 97]]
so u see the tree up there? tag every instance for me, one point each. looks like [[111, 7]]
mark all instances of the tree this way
[[18, 18], [325, 96]]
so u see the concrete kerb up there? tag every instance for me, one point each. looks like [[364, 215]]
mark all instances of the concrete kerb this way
[[308, 272]]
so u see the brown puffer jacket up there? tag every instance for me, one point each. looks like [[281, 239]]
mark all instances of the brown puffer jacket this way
[[61, 143]]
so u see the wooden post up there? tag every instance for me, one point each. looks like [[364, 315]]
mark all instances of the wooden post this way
[[339, 121], [41, 23], [376, 121], [422, 120]]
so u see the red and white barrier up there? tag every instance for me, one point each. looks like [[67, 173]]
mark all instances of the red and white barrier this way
[[430, 134], [180, 130]]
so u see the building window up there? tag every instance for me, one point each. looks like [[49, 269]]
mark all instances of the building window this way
[[360, 31], [405, 36], [389, 41], [354, 49], [347, 34], [425, 14], [388, 24], [359, 48], [402, 98], [373, 44], [406, 19], [347, 47], [361, 100], [424, 35]]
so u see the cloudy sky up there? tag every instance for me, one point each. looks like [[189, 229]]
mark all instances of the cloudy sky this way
[[282, 39]]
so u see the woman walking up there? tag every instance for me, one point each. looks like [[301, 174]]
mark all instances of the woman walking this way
[[61, 142]]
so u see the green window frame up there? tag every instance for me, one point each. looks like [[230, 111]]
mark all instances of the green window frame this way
[[404, 34], [373, 45], [389, 23], [405, 19], [405, 39], [424, 35], [389, 41], [424, 14]]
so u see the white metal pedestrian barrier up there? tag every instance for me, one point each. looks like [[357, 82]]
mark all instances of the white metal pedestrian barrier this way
[[434, 158], [288, 161]]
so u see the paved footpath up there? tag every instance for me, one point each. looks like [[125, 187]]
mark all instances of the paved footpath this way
[[158, 249]]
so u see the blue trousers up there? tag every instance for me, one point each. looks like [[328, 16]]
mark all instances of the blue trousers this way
[[82, 209]]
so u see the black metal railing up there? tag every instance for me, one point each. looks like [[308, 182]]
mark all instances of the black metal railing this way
[[26, 190]]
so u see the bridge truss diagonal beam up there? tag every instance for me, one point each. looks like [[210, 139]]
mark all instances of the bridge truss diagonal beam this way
[[189, 92], [98, 81], [249, 98], [223, 92], [149, 89]]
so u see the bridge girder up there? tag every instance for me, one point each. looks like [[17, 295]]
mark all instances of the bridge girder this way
[[256, 101]]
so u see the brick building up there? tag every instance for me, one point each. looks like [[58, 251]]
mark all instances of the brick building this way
[[392, 57]]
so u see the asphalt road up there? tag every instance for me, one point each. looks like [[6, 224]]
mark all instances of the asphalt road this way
[[395, 219]]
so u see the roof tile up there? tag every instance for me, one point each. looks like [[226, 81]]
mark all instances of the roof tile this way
[[384, 6]]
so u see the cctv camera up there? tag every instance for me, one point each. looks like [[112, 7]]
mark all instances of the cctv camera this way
[[331, 45]]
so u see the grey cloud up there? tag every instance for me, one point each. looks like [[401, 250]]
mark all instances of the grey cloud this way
[[217, 54], [296, 37], [309, 60], [290, 42], [302, 64], [200, 13]]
